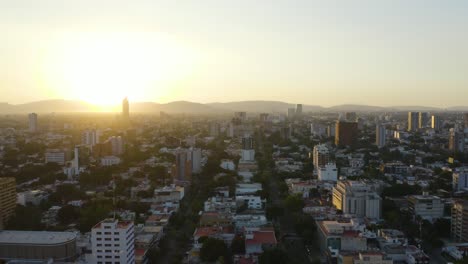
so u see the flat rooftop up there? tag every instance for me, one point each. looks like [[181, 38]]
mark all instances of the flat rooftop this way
[[35, 237]]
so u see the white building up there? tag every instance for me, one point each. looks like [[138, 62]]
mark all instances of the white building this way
[[195, 155], [460, 179], [113, 242], [248, 188], [170, 193], [247, 152], [56, 156], [90, 137], [34, 197], [32, 122], [329, 172], [357, 198], [428, 207], [252, 201], [110, 160]]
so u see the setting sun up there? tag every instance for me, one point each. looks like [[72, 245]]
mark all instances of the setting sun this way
[[103, 68]]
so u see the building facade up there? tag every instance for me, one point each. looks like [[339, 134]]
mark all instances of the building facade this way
[[113, 242], [7, 199], [346, 133]]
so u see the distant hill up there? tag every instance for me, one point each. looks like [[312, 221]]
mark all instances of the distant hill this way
[[67, 106]]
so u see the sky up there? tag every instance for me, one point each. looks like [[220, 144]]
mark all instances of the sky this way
[[328, 52]]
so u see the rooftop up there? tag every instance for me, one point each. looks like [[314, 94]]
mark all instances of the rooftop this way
[[36, 237]]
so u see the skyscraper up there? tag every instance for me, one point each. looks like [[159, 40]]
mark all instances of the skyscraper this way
[[465, 117], [32, 122], [113, 241], [299, 109], [423, 119], [456, 141], [346, 133], [182, 169], [380, 135], [247, 152], [291, 113], [460, 221], [125, 109], [436, 123], [7, 200], [413, 121]]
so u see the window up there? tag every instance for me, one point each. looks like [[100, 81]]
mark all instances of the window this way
[[108, 257], [108, 245], [99, 262], [116, 233], [107, 233], [99, 233], [108, 250], [116, 245], [98, 239], [99, 245], [99, 256], [99, 250], [107, 239], [116, 239]]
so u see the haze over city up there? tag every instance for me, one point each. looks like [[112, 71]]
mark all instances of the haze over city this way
[[313, 52]]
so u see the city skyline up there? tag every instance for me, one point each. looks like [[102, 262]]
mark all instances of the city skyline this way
[[373, 53]]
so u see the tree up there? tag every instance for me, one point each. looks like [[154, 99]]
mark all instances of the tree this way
[[67, 214], [212, 249], [273, 256], [26, 218], [294, 203], [238, 245]]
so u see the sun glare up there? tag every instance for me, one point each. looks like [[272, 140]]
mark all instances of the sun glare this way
[[104, 68]]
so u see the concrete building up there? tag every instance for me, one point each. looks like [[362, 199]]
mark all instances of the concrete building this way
[[182, 169], [346, 133], [423, 119], [328, 172], [413, 121], [7, 199], [90, 137], [356, 198], [456, 140], [320, 155], [33, 127], [38, 245], [428, 207], [337, 235], [299, 110], [380, 135], [125, 109], [110, 161], [257, 239], [113, 242], [116, 144], [56, 156], [459, 227], [171, 193], [436, 123], [195, 155], [247, 152], [291, 113], [460, 179]]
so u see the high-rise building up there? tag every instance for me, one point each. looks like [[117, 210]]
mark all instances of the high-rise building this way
[[456, 141], [247, 152], [125, 109], [32, 117], [357, 198], [113, 241], [298, 109], [242, 116], [423, 119], [346, 133], [214, 129], [7, 199], [58, 156], [195, 155], [460, 221], [264, 117], [90, 137], [428, 207], [182, 169], [380, 135], [413, 121], [436, 123], [320, 156], [327, 172], [117, 145], [465, 118]]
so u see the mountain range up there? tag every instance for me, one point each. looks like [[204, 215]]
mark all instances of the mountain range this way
[[69, 106]]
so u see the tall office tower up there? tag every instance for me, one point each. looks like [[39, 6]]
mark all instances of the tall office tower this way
[[380, 135], [291, 113], [298, 109], [331, 130], [247, 152], [90, 137], [214, 129], [456, 141], [460, 179], [423, 119], [32, 122], [7, 200], [460, 221], [113, 241], [465, 117], [436, 123], [320, 156], [353, 197], [195, 155], [413, 121], [125, 109], [182, 169], [346, 133], [351, 116]]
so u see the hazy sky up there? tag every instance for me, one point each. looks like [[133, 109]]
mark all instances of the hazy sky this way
[[394, 52]]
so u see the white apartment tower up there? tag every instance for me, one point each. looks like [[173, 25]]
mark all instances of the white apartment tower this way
[[32, 122], [247, 152], [113, 242], [90, 137]]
